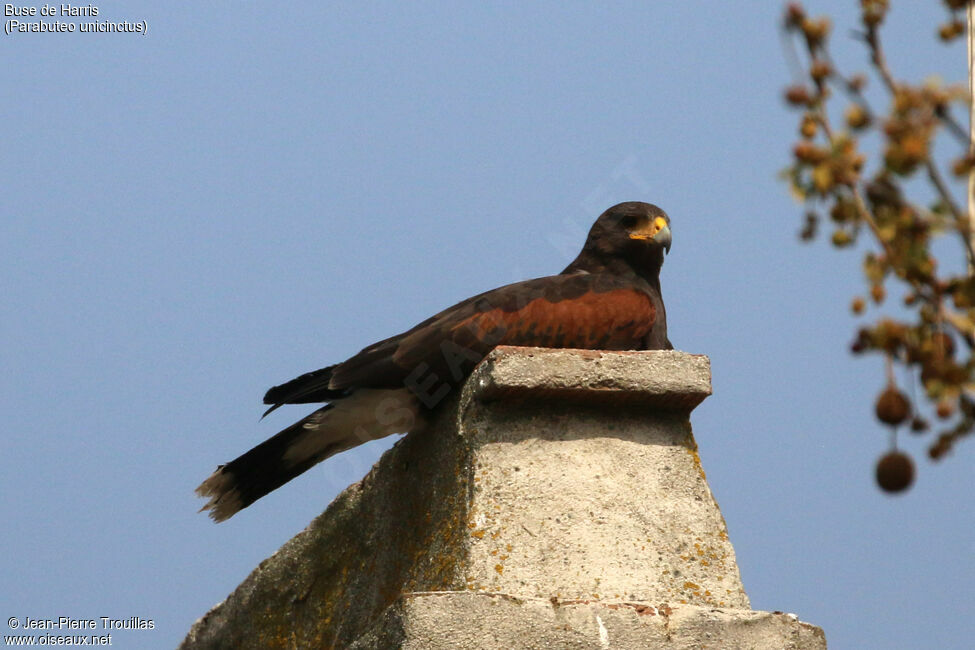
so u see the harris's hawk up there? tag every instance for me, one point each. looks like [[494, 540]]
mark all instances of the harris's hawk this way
[[607, 298]]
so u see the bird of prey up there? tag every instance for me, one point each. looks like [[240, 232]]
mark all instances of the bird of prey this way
[[607, 298]]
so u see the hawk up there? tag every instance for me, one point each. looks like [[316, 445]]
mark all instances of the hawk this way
[[608, 298]]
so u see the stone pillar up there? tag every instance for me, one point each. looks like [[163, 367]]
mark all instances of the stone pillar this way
[[557, 502]]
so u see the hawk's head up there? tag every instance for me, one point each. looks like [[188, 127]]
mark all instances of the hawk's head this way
[[634, 233]]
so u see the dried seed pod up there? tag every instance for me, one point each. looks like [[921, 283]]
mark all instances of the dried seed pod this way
[[941, 447], [820, 69], [945, 408], [808, 126], [807, 152], [951, 30], [798, 95], [857, 117], [794, 13], [895, 472], [862, 342], [841, 238], [877, 293], [815, 30], [893, 407]]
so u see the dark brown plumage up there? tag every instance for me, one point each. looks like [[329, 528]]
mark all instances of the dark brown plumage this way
[[607, 298]]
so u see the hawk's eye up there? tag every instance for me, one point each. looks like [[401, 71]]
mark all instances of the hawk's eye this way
[[629, 221]]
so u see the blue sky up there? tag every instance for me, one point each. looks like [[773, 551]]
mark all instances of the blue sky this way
[[249, 192]]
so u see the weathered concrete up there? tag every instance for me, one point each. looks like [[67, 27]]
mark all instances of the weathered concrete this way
[[484, 621], [581, 501], [554, 474]]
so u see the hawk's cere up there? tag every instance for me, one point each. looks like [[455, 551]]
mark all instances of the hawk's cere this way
[[607, 298]]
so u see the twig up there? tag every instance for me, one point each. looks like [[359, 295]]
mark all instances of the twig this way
[[867, 217], [942, 188], [879, 60], [792, 55], [961, 219], [952, 124]]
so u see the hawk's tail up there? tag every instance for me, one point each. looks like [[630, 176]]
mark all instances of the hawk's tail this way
[[362, 416], [263, 469]]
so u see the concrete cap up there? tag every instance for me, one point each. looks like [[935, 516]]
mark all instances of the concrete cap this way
[[665, 379]]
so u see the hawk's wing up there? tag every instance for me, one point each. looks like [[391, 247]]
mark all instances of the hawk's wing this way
[[592, 311]]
